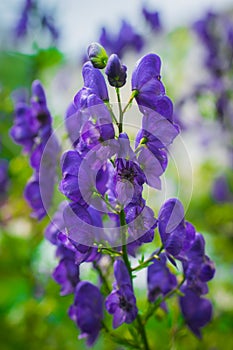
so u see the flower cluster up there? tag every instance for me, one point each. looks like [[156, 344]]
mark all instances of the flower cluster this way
[[183, 243], [107, 219], [32, 129]]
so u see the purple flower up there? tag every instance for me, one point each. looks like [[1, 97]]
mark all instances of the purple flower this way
[[33, 130], [56, 225], [69, 186], [129, 180], [198, 268], [197, 311], [93, 121], [141, 222], [152, 19], [87, 311], [32, 195], [171, 226], [25, 128], [125, 39], [71, 123], [116, 72], [159, 278], [150, 92], [156, 133], [94, 80], [67, 274], [151, 167], [121, 302], [70, 254], [32, 122]]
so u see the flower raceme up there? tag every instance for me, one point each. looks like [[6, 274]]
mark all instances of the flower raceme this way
[[32, 130], [106, 219]]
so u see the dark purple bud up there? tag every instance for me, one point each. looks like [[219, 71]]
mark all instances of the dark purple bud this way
[[116, 72]]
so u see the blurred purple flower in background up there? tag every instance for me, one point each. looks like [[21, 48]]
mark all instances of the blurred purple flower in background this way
[[32, 129], [153, 19], [127, 38]]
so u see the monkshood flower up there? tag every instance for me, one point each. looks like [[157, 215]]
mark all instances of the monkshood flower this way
[[67, 272], [197, 311], [148, 88], [125, 39], [121, 302], [152, 18], [93, 80], [87, 311], [180, 240], [116, 72], [32, 129], [197, 266], [171, 226], [152, 141], [70, 254], [159, 278], [33, 197], [141, 224]]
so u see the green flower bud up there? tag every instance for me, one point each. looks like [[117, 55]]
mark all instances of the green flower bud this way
[[97, 55]]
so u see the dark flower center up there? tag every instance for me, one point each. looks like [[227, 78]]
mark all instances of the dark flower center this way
[[128, 174], [124, 304], [42, 117]]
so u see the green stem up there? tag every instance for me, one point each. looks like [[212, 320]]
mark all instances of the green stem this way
[[128, 265], [123, 240], [106, 202], [143, 333], [133, 95], [144, 263], [119, 340], [120, 126], [111, 112], [151, 311], [110, 251], [102, 277]]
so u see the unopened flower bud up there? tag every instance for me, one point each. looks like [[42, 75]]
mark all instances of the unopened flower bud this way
[[97, 55], [116, 71]]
